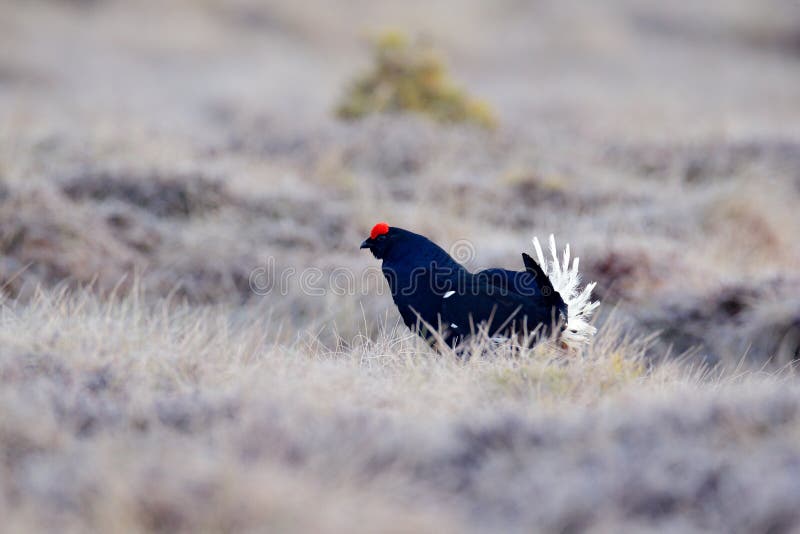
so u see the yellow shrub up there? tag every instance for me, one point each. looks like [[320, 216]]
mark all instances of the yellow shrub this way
[[411, 77]]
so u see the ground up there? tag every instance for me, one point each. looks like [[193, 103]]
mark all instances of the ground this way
[[192, 341]]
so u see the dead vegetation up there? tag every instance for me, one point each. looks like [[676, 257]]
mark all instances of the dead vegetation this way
[[99, 397], [153, 158], [175, 196]]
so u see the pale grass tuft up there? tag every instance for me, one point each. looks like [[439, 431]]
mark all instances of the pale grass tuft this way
[[122, 414]]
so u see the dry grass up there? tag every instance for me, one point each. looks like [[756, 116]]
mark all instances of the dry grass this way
[[153, 157], [122, 415]]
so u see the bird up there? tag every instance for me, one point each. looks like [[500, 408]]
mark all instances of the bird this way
[[441, 300]]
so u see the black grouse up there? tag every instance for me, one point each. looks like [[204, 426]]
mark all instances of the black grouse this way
[[433, 292]]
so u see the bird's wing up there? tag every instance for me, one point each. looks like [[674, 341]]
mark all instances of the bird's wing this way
[[507, 301], [521, 283], [481, 303]]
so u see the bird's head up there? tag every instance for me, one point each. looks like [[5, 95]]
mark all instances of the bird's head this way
[[380, 239]]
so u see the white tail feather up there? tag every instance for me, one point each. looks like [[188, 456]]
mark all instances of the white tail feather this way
[[566, 280]]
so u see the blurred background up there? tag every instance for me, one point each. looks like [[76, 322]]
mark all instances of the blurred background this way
[[185, 144]]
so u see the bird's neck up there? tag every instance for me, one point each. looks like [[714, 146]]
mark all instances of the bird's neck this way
[[422, 254], [426, 266]]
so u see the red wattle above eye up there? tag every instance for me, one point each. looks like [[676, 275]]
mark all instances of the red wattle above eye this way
[[379, 229]]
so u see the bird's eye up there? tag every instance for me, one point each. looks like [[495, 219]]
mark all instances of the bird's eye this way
[[381, 237]]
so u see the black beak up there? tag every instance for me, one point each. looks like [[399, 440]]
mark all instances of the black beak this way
[[367, 243]]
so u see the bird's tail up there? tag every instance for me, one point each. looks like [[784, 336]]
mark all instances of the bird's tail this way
[[566, 280]]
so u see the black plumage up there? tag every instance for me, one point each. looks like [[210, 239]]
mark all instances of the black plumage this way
[[432, 291]]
